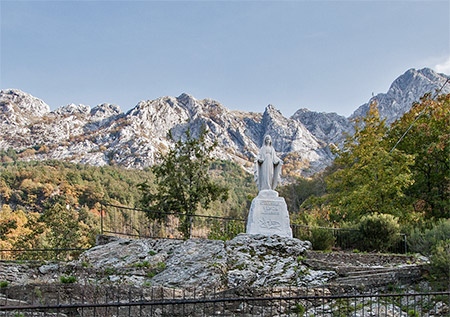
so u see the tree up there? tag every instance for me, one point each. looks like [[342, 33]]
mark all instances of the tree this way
[[183, 182], [368, 177], [63, 228], [424, 132], [297, 192]]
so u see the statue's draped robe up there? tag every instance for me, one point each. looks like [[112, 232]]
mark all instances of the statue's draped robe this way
[[268, 168]]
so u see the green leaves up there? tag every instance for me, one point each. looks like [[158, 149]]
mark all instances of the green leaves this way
[[428, 140], [402, 170], [183, 183], [369, 178]]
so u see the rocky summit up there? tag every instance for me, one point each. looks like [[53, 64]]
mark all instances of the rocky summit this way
[[105, 135]]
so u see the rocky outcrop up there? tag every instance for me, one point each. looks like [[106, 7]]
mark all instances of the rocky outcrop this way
[[327, 127], [247, 261]]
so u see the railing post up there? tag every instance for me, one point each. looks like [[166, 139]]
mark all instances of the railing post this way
[[101, 218], [405, 244]]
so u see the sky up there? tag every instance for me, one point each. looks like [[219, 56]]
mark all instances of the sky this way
[[326, 56]]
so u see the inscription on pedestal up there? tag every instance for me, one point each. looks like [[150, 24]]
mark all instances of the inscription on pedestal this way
[[269, 215]]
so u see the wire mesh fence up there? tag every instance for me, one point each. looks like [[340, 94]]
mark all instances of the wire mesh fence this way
[[87, 301]]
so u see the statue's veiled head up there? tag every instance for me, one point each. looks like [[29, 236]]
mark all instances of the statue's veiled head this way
[[267, 140]]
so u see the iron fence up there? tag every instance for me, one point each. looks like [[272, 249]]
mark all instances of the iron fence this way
[[134, 222], [131, 222], [345, 238], [89, 301]]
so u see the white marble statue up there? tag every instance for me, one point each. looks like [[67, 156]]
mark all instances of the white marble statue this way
[[268, 166]]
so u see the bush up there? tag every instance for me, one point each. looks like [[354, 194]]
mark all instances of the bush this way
[[322, 239], [378, 232], [424, 241], [440, 264]]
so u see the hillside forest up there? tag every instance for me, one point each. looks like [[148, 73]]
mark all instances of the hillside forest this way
[[385, 180]]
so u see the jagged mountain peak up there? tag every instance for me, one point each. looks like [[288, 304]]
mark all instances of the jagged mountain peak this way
[[407, 89], [73, 109], [186, 98], [327, 127], [272, 111], [105, 110], [408, 77], [196, 107], [272, 116], [15, 100], [426, 78]]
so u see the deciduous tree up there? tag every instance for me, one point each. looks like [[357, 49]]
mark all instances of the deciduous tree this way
[[183, 182], [425, 133], [369, 178]]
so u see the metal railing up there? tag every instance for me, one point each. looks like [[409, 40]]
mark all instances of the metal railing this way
[[87, 301], [345, 238], [134, 222], [131, 222]]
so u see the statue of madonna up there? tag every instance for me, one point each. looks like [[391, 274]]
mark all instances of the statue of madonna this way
[[268, 166]]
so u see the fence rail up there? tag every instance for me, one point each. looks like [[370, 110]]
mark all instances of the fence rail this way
[[345, 239], [130, 222], [133, 222], [157, 301]]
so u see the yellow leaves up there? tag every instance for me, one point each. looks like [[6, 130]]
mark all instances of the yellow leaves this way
[[5, 191], [27, 153], [14, 226], [293, 164]]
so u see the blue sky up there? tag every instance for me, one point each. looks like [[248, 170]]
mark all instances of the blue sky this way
[[322, 55]]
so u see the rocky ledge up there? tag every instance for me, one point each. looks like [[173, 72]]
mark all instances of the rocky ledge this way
[[250, 261]]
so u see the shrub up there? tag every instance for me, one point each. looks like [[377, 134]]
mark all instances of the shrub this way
[[440, 264], [67, 279], [158, 268], [378, 232], [423, 241], [322, 239]]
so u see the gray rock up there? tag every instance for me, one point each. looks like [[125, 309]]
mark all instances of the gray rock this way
[[195, 263], [48, 268], [247, 260]]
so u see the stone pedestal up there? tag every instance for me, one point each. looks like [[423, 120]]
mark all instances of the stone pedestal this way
[[269, 215]]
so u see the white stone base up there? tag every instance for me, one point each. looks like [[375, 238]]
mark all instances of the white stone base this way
[[269, 215]]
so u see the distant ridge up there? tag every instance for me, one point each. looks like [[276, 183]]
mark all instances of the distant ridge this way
[[105, 135]]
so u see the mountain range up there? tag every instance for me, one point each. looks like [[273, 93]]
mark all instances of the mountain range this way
[[105, 134]]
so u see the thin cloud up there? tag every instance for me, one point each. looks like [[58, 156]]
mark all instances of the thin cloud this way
[[443, 67]]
